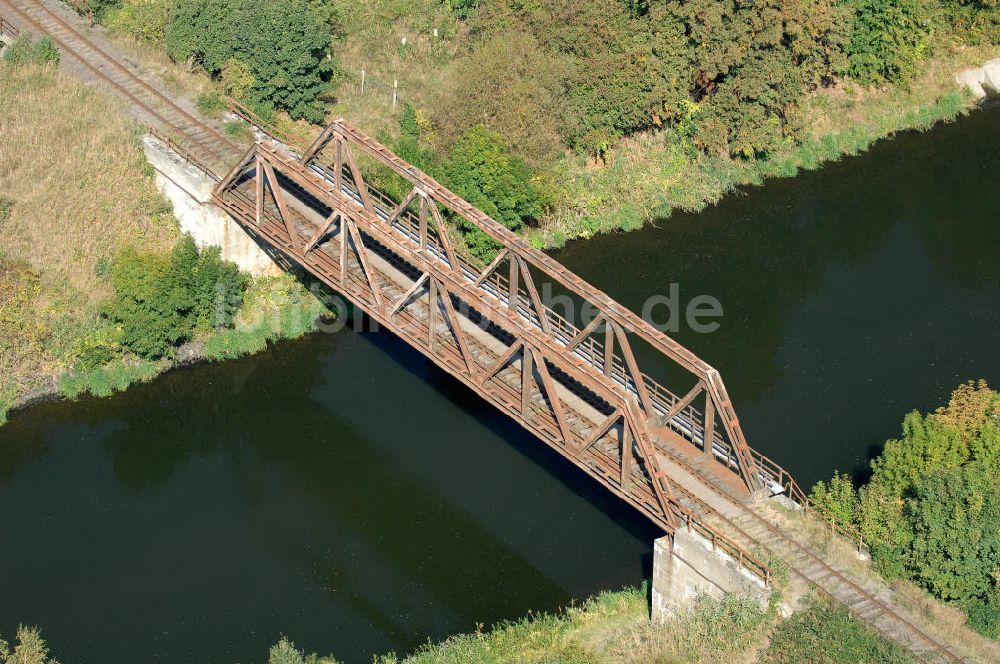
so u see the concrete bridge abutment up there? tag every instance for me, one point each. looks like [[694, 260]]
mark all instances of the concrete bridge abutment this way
[[188, 189], [685, 567]]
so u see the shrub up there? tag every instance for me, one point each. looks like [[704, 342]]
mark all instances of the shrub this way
[[144, 20], [212, 103], [161, 301], [888, 39], [282, 48], [481, 170], [99, 347], [837, 497], [24, 50]]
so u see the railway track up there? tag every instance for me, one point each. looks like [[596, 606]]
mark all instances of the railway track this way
[[744, 523], [157, 108], [209, 145]]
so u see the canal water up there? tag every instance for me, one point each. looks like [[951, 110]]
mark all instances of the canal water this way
[[343, 491]]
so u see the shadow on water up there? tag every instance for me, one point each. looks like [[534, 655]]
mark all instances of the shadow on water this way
[[321, 490], [342, 490]]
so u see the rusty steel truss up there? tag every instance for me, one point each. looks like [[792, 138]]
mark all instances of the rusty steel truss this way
[[579, 389]]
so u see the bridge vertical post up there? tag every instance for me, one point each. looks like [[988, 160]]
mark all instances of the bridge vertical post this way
[[708, 435], [527, 376], [338, 178], [512, 284]]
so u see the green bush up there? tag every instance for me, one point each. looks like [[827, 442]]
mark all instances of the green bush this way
[[837, 497], [283, 44], [99, 347], [481, 170], [24, 50], [888, 39], [161, 301], [931, 510], [821, 634], [144, 20]]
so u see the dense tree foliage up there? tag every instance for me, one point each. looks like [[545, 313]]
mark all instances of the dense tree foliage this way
[[888, 39], [162, 300], [277, 48], [931, 510], [481, 170]]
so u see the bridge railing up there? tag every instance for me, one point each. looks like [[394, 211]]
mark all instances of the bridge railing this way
[[778, 476], [688, 423]]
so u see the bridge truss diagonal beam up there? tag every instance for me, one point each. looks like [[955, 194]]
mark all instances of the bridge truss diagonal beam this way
[[714, 427], [422, 299]]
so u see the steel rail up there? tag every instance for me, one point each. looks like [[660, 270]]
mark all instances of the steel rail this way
[[868, 596], [214, 139]]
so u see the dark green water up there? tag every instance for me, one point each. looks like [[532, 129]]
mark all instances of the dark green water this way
[[851, 295], [343, 491]]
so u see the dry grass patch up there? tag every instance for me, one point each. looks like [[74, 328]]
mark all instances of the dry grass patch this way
[[78, 189], [71, 163]]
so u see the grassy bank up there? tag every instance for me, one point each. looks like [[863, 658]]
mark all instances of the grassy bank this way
[[649, 175], [614, 628], [76, 198], [609, 117]]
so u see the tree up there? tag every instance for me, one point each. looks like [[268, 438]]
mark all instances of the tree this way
[[481, 170], [513, 86], [283, 45], [888, 39], [30, 648], [955, 550], [751, 63]]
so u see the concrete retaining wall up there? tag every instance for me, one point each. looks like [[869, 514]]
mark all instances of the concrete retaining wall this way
[[189, 191], [685, 567], [981, 81]]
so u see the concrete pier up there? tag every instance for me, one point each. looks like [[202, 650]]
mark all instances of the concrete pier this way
[[685, 567], [189, 191]]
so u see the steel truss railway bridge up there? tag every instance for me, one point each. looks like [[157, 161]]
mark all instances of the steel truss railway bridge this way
[[675, 452]]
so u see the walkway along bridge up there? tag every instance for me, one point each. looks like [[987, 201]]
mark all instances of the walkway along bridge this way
[[679, 457]]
